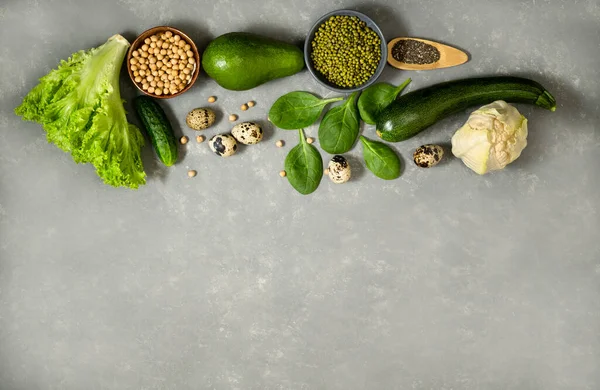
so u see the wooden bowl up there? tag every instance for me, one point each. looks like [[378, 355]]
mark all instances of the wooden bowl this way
[[449, 56], [139, 41]]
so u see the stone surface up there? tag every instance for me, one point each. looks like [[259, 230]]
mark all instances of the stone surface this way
[[438, 280]]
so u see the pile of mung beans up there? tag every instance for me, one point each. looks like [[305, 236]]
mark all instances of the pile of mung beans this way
[[163, 64], [346, 51]]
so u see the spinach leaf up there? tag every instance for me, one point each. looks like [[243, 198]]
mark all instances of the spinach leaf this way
[[380, 159], [304, 166], [377, 97], [296, 110], [339, 128]]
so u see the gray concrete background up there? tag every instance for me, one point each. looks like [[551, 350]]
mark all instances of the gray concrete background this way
[[438, 280]]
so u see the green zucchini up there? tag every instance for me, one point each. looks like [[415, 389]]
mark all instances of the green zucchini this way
[[414, 112], [158, 127]]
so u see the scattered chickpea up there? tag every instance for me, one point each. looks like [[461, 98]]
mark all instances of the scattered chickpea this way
[[212, 99], [251, 103], [232, 118], [282, 173], [310, 140], [244, 107], [326, 171], [184, 140], [200, 139], [279, 143], [192, 173]]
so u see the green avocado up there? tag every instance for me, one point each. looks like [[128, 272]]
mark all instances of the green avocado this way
[[239, 61]]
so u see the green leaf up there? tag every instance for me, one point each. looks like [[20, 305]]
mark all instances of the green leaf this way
[[339, 128], [296, 110], [80, 108], [377, 97], [304, 166], [380, 159]]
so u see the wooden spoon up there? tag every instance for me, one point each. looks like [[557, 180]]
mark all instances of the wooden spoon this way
[[449, 56]]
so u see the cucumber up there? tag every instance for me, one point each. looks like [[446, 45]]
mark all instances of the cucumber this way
[[158, 128], [414, 112]]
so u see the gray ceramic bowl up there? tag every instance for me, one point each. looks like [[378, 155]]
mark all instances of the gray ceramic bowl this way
[[308, 51]]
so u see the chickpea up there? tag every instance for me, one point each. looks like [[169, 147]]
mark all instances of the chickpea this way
[[192, 60], [152, 45], [145, 47], [176, 38], [144, 54], [165, 91], [133, 61], [159, 43], [251, 103], [279, 143], [174, 61], [142, 73], [182, 66], [161, 72], [189, 53], [164, 77], [160, 84], [135, 54], [175, 56], [192, 173], [200, 139], [147, 41], [153, 83], [282, 173], [169, 64], [145, 86], [158, 92], [144, 67], [149, 78], [152, 60], [165, 45], [310, 140], [134, 68], [188, 77], [163, 52], [212, 99], [136, 73], [184, 140], [232, 118], [153, 38], [155, 73], [186, 71], [171, 40], [190, 66], [151, 89], [168, 34], [182, 76], [187, 47], [138, 79], [244, 107], [159, 57], [170, 77], [181, 43]]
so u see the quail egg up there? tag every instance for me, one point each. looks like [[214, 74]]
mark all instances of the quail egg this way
[[200, 118], [427, 156], [223, 145], [339, 169], [248, 133]]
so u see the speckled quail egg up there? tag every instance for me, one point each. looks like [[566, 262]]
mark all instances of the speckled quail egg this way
[[223, 145], [200, 118], [427, 156], [339, 169], [248, 133]]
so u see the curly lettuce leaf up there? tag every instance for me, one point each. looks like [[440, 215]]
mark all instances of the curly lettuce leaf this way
[[80, 108]]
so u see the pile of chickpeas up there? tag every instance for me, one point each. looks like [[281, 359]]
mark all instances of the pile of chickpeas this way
[[163, 65]]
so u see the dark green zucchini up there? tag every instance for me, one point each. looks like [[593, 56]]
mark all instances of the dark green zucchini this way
[[158, 128], [414, 112]]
